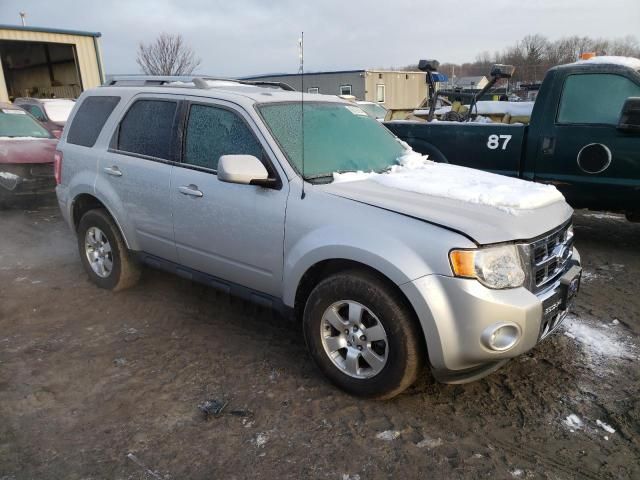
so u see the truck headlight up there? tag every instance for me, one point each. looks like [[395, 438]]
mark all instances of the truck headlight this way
[[494, 267]]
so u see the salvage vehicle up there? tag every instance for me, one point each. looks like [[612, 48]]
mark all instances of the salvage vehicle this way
[[583, 136], [51, 112], [26, 156], [233, 186]]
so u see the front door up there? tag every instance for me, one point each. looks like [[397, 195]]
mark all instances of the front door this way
[[592, 162], [233, 232]]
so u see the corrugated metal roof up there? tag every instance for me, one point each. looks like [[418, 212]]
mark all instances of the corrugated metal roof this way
[[50, 30]]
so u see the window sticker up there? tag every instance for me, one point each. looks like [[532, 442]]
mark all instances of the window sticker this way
[[11, 111]]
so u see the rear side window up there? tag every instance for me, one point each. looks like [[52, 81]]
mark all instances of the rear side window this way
[[147, 129], [213, 132], [89, 120]]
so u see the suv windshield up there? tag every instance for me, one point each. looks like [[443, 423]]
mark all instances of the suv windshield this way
[[337, 138], [16, 123]]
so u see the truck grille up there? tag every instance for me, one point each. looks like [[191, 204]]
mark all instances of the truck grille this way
[[550, 257]]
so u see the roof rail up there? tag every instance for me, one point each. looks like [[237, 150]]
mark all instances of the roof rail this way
[[197, 81]]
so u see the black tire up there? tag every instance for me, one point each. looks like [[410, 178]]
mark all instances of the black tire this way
[[406, 353], [124, 272]]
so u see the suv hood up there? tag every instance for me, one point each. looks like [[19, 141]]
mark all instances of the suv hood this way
[[485, 224]]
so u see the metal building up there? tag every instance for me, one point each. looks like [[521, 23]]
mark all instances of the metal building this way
[[47, 62], [395, 90]]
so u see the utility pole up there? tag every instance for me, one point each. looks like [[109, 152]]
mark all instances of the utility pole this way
[[23, 15]]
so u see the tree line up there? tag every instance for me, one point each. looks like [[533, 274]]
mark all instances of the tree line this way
[[535, 54]]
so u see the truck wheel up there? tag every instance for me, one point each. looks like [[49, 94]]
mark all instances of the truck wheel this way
[[103, 252], [362, 336]]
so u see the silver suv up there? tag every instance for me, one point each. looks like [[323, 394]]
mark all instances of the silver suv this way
[[243, 187]]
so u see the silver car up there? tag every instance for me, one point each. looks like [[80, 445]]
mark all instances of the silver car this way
[[229, 184]]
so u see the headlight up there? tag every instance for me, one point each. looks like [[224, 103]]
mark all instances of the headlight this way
[[494, 267]]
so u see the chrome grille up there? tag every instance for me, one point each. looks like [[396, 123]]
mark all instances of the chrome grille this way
[[550, 257]]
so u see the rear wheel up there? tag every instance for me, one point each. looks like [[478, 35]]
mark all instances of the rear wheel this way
[[362, 336], [103, 252]]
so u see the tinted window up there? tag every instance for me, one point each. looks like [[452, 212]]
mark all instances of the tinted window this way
[[147, 129], [89, 120], [213, 132], [595, 98]]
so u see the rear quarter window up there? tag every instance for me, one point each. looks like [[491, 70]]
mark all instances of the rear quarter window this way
[[89, 120]]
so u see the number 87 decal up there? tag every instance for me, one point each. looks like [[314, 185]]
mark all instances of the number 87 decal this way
[[493, 141]]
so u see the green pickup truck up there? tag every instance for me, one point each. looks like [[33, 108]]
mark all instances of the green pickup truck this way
[[583, 137]]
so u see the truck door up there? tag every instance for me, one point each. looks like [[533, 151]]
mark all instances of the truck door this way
[[594, 164]]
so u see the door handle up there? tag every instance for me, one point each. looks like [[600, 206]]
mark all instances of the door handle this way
[[191, 190], [115, 171], [548, 145]]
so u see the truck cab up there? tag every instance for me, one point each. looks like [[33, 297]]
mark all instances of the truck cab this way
[[584, 136]]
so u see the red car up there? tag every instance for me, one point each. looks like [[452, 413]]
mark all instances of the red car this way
[[27, 152]]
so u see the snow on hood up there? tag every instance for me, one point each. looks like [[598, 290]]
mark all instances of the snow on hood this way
[[624, 61], [415, 173]]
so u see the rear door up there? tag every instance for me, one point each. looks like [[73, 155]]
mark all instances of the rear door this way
[[137, 169], [233, 232], [593, 163]]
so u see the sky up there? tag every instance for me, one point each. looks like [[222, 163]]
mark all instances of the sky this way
[[245, 37]]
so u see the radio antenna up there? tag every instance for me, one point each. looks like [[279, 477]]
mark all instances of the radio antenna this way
[[301, 71]]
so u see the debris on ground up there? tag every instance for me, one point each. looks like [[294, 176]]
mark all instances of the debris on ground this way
[[213, 407], [388, 435]]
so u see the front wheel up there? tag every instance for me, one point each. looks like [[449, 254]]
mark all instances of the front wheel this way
[[362, 335], [103, 252]]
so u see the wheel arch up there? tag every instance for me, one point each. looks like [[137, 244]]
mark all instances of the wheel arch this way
[[83, 202]]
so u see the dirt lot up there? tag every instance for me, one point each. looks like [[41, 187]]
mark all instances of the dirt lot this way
[[101, 385]]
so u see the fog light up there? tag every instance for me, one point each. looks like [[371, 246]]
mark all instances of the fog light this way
[[501, 337]]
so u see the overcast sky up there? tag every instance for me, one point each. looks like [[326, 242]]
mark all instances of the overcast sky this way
[[242, 37]]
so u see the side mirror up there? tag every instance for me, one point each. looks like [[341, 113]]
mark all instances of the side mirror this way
[[502, 71], [243, 169], [630, 116]]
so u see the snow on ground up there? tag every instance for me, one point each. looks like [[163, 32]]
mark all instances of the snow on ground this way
[[416, 173], [624, 61], [490, 107], [603, 342], [573, 422]]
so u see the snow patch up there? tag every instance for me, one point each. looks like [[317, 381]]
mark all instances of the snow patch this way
[[517, 473], [573, 422], [608, 59], [598, 342], [416, 173], [428, 442], [605, 427], [9, 176], [260, 440], [388, 435], [22, 138]]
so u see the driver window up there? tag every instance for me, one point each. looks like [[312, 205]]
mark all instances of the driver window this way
[[213, 132], [595, 98]]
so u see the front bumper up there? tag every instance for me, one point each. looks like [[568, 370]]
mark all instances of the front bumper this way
[[456, 313], [26, 179]]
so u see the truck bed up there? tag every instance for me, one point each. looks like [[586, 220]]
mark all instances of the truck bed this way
[[493, 147]]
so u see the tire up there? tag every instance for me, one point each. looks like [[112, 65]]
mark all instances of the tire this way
[[97, 226], [403, 350]]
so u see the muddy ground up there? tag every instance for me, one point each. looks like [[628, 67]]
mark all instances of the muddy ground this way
[[100, 385]]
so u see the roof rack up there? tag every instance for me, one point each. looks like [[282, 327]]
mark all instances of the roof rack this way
[[198, 82]]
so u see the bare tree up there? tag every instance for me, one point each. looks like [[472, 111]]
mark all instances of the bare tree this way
[[168, 55]]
